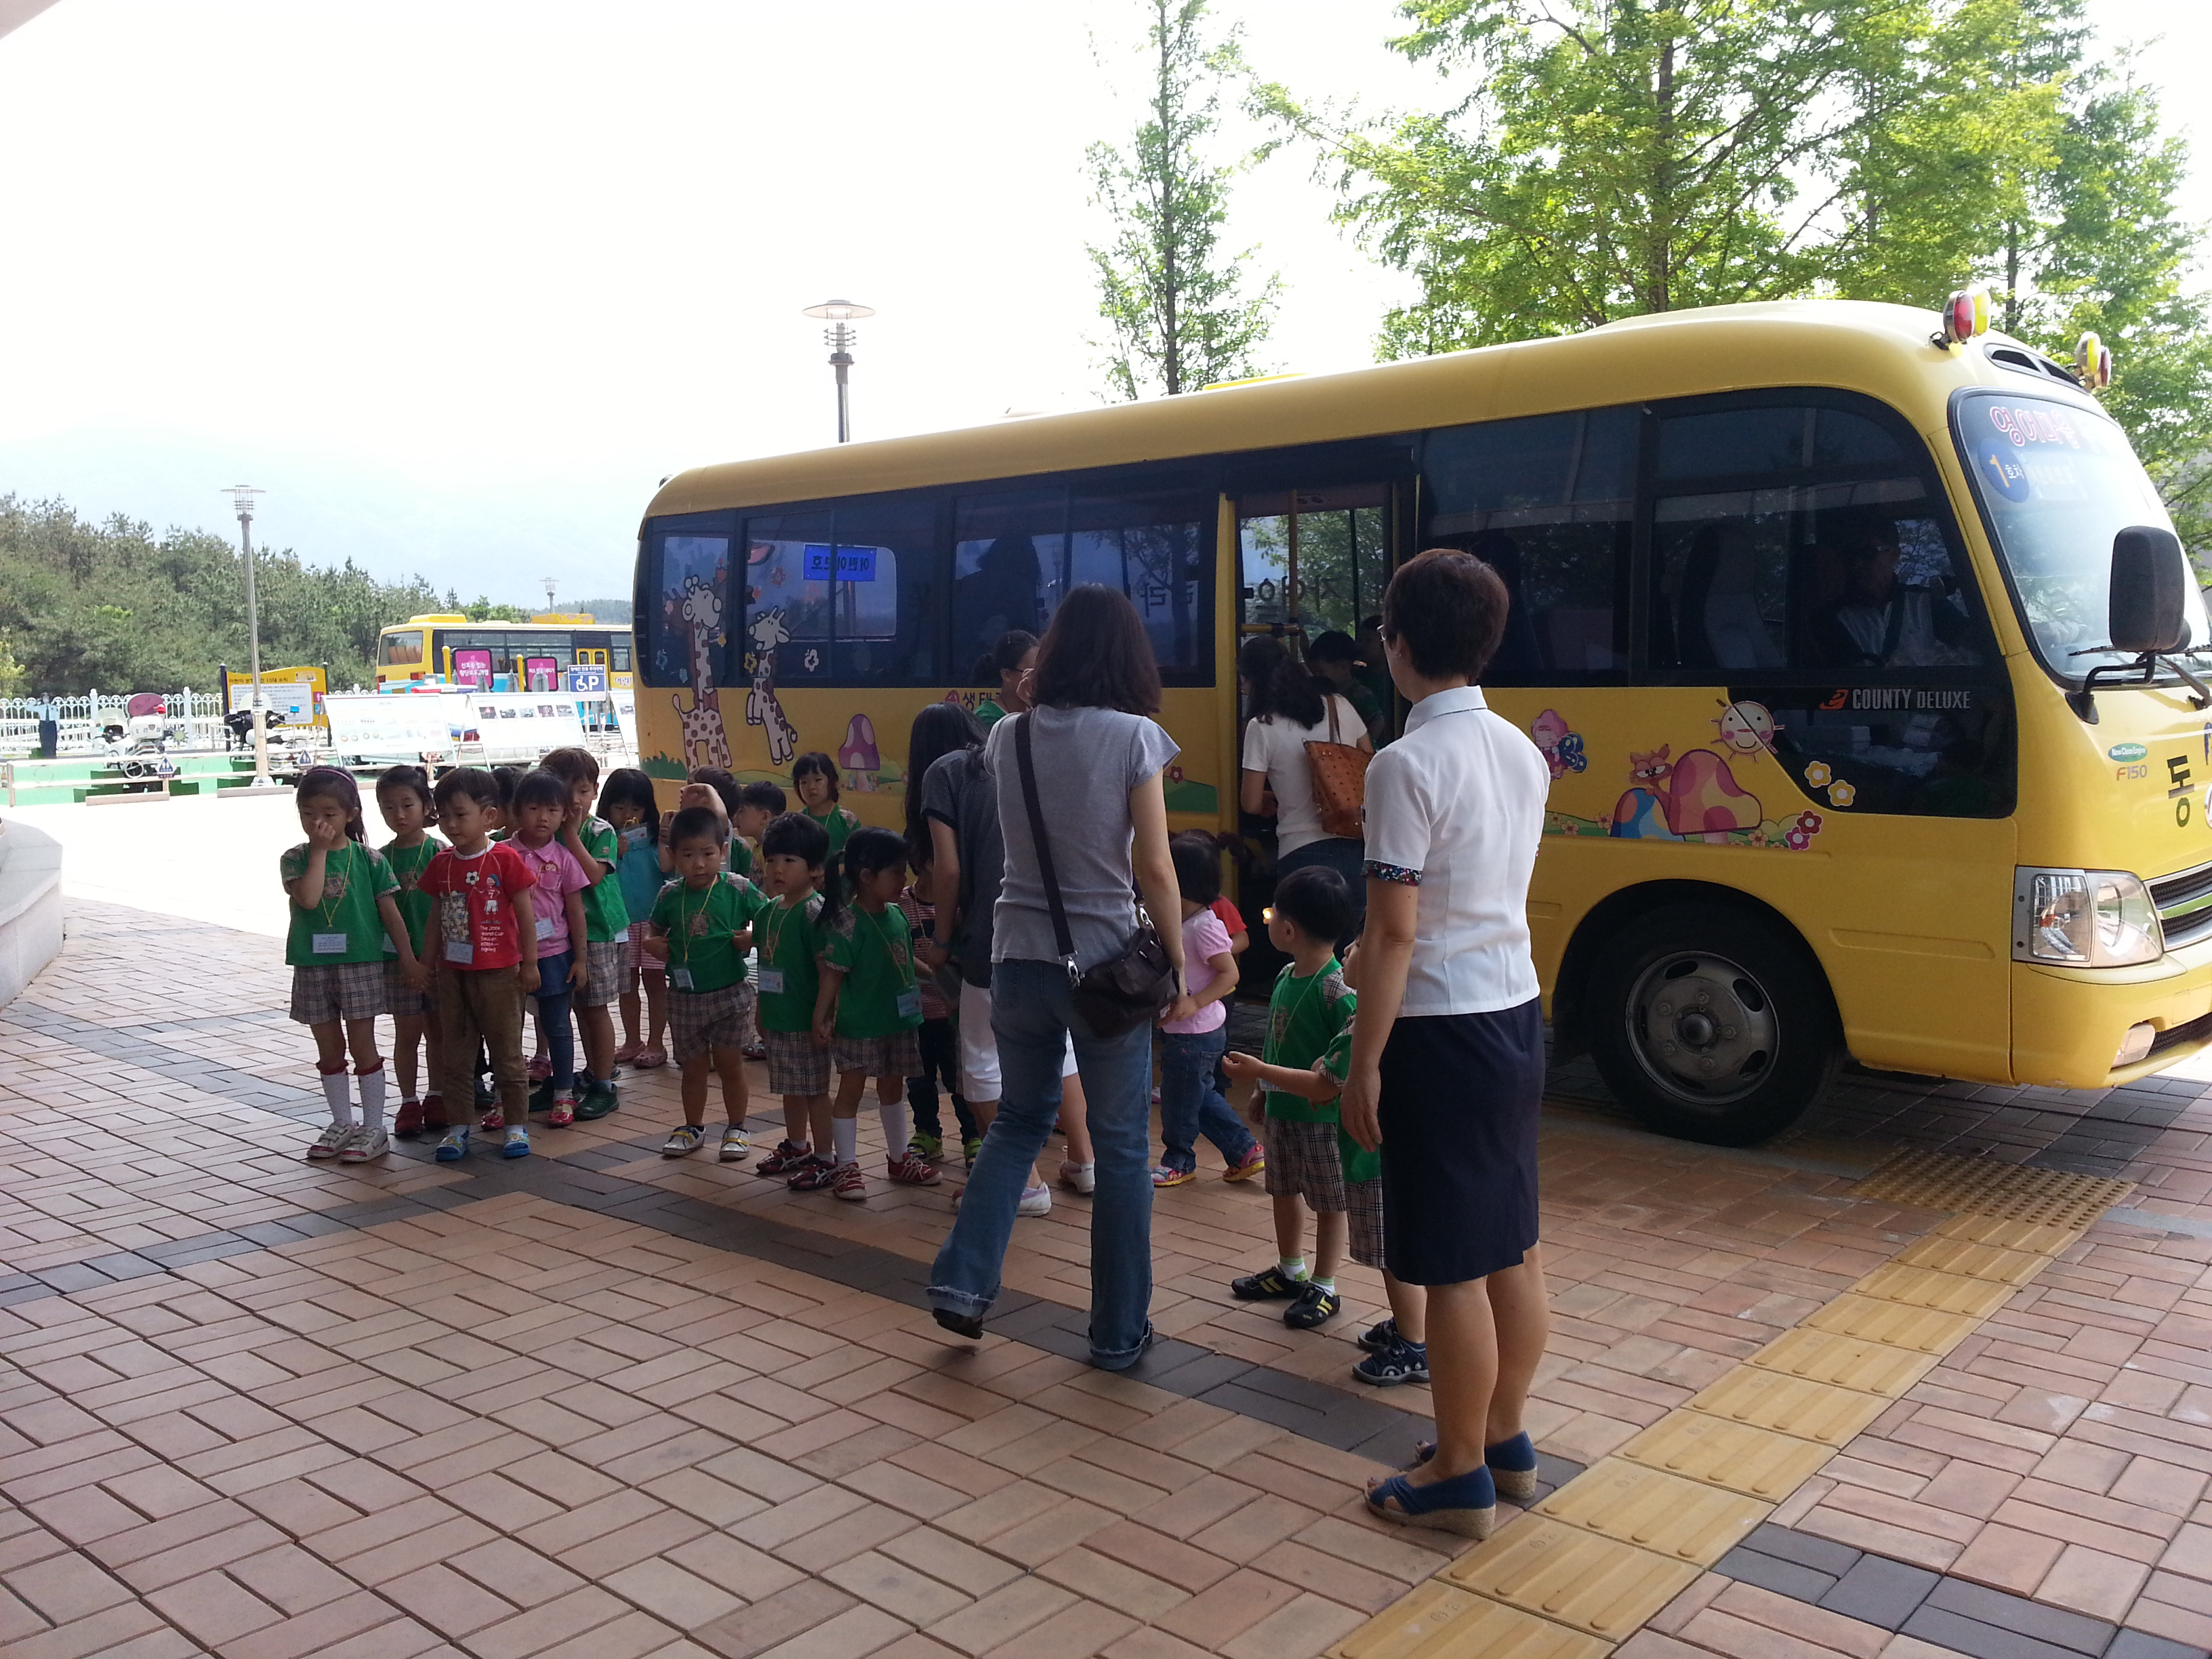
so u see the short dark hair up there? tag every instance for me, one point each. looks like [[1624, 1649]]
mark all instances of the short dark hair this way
[[403, 776], [762, 797], [719, 780], [800, 835], [1447, 610], [1335, 646], [698, 823], [1197, 861], [469, 783], [334, 783], [815, 761], [873, 847], [626, 784], [1315, 900], [571, 765], [504, 778], [1097, 655], [541, 788]]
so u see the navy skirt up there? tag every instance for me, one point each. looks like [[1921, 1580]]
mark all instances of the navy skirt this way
[[1462, 1095]]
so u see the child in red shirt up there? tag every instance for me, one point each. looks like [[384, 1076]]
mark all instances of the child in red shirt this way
[[482, 941]]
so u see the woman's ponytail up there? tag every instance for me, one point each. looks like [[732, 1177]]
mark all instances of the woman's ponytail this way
[[833, 887]]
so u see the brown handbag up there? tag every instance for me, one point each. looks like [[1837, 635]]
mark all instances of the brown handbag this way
[[1340, 782]]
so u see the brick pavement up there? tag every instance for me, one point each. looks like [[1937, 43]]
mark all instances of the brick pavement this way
[[233, 1422]]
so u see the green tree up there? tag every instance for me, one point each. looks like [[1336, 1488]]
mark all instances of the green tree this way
[[481, 608], [13, 674], [1172, 300]]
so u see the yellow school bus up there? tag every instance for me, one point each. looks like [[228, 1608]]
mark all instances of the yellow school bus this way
[[538, 655], [1817, 622]]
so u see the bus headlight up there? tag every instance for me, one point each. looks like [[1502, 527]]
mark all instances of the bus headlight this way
[[2084, 919]]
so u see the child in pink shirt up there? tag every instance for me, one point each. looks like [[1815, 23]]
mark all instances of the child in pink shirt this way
[[1190, 1104], [541, 802]]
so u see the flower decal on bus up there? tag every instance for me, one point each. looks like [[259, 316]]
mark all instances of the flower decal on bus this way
[[1818, 775], [1841, 794], [1802, 833]]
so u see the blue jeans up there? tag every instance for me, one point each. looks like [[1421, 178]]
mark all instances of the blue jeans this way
[[1190, 1103], [551, 997], [1032, 1015], [1349, 860]]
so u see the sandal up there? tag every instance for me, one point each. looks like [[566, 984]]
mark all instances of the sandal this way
[[1503, 1460], [648, 1058], [1466, 1504], [627, 1053]]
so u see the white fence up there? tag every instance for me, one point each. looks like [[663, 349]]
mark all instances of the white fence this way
[[82, 719]]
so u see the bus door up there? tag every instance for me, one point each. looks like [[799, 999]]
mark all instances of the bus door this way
[[592, 651]]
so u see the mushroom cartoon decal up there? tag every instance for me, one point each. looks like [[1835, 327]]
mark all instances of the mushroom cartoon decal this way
[[858, 755]]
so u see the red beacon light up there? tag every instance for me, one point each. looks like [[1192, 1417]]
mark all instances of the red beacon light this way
[[1966, 314], [2092, 362]]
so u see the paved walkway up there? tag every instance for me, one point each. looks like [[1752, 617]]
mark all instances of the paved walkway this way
[[594, 1403]]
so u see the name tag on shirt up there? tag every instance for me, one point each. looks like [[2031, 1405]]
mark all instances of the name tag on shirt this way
[[771, 982], [461, 951], [681, 977], [910, 1005], [330, 944], [545, 926], [390, 949]]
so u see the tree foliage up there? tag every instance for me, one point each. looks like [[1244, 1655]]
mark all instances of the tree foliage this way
[[1599, 159], [112, 605], [1173, 301]]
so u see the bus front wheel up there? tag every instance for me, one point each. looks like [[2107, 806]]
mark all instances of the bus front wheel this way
[[1712, 1026]]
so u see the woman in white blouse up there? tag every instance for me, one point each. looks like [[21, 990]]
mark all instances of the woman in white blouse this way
[[1291, 707], [1447, 1071]]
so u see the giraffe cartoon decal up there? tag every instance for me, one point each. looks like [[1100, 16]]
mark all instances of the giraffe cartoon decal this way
[[705, 743], [767, 631]]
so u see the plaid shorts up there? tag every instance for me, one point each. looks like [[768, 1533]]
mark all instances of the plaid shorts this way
[[603, 961], [795, 1066], [700, 1021], [337, 990], [399, 999], [897, 1055]]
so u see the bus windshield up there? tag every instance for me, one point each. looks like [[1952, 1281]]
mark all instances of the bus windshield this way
[[2058, 483]]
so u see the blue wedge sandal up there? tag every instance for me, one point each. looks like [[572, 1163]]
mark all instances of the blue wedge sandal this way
[[1512, 1465], [1466, 1504]]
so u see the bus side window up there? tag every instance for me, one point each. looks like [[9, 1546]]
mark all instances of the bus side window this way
[[1007, 557], [685, 582], [887, 615], [1548, 503], [1158, 549]]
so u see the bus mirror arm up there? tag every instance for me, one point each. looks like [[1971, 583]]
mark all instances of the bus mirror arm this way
[[2084, 703]]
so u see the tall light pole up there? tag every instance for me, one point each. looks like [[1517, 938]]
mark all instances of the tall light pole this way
[[841, 336], [241, 499], [549, 582]]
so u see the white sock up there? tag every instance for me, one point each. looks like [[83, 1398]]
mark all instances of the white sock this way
[[1293, 1267], [895, 1128], [372, 1096], [1329, 1285], [340, 1097], [845, 1136]]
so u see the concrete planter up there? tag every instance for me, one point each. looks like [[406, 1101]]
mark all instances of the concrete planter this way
[[30, 904]]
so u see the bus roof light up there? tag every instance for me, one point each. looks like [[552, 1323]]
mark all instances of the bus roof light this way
[[2092, 362], [1966, 315]]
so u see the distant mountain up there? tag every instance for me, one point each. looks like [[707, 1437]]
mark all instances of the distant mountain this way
[[607, 611]]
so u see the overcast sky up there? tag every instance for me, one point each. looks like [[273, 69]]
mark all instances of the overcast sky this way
[[457, 282]]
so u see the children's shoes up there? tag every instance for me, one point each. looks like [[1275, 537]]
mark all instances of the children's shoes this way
[[518, 1143], [455, 1147]]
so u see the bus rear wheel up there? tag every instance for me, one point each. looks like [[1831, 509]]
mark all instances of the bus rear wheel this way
[[1712, 1026]]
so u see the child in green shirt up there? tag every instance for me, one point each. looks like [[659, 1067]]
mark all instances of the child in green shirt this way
[[343, 921], [870, 1004], [814, 777], [593, 843], [703, 926], [403, 796], [799, 872]]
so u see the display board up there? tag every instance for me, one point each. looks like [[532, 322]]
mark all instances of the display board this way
[[289, 696]]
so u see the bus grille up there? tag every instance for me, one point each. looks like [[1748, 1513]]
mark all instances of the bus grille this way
[[2184, 904], [2175, 1036]]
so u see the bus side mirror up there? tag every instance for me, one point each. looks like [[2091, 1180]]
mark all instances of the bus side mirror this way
[[2149, 579]]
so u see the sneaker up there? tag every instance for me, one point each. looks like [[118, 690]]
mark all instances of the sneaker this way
[[409, 1122], [970, 1147], [788, 1156], [1315, 1306], [365, 1144], [598, 1099], [331, 1142], [1405, 1362], [541, 1096], [1380, 1337], [1270, 1285], [455, 1147], [1168, 1176], [518, 1143], [756, 1051], [736, 1149], [541, 1068], [849, 1184], [563, 1112], [683, 1139], [1078, 1177], [912, 1171], [812, 1174], [1035, 1200], [434, 1114], [930, 1146], [1252, 1163], [492, 1122]]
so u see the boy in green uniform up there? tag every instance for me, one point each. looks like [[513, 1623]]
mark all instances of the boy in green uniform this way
[[593, 843], [403, 796], [870, 1006], [703, 925], [794, 860]]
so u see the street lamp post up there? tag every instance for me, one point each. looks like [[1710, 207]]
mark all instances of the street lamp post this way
[[241, 497], [841, 336]]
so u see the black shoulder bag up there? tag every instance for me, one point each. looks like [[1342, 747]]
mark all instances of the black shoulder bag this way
[[1117, 996]]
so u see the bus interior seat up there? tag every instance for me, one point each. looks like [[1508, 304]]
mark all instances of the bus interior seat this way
[[1720, 602]]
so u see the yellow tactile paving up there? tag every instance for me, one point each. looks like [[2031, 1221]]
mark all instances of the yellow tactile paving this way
[[1598, 1586], [1895, 1324], [1791, 1405], [1987, 1186], [1924, 1287], [1439, 1621], [1757, 1462], [1662, 1513], [1844, 1362], [2037, 1239], [1974, 1258]]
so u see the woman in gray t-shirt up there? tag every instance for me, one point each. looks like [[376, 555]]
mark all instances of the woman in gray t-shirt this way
[[1099, 760]]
